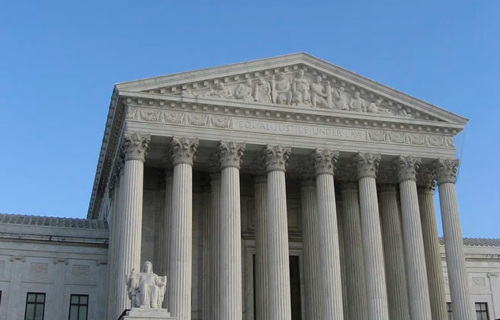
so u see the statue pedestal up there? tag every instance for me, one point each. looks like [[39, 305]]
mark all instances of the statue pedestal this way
[[148, 314]]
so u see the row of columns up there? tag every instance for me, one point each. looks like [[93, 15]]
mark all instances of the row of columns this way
[[413, 288]]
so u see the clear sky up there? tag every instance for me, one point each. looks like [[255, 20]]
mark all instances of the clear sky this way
[[60, 59]]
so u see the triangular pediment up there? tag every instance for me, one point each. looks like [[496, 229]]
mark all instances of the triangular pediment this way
[[298, 81]]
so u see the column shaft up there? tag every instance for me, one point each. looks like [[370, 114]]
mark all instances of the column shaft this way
[[455, 258], [167, 224], [261, 263], [373, 250], [112, 255], [418, 290], [330, 277], [206, 296], [230, 246], [434, 266], [353, 241], [129, 256], [181, 242], [181, 229], [215, 228], [394, 254], [278, 256]]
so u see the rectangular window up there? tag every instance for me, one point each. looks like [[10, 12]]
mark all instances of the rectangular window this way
[[35, 306], [448, 308], [482, 311], [78, 307]]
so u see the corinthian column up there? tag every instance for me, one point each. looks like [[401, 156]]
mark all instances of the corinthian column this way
[[455, 260], [416, 274], [372, 237], [214, 244], [330, 275], [167, 223], [312, 290], [433, 263], [261, 255], [129, 249], [181, 245], [277, 233], [394, 253], [230, 154], [353, 241]]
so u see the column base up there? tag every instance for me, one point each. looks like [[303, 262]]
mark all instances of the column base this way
[[148, 314]]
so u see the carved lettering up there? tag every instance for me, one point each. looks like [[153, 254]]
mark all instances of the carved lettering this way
[[321, 131], [298, 129]]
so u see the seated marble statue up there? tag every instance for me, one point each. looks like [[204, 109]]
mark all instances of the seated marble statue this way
[[146, 289]]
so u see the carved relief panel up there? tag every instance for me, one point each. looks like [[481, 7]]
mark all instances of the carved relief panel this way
[[297, 86]]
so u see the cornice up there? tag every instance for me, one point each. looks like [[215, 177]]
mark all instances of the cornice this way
[[281, 113]]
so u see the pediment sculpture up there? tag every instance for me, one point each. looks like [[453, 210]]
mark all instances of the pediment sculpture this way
[[300, 89], [146, 289]]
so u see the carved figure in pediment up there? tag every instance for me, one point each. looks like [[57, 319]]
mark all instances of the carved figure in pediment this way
[[318, 94], [340, 99], [262, 92], [329, 94], [300, 89], [402, 112], [146, 289], [374, 107], [281, 90], [244, 91], [186, 92], [357, 103], [220, 91]]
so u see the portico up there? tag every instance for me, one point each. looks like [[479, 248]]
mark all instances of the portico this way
[[199, 171]]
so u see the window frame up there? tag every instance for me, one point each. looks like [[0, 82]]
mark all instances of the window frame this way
[[482, 312], [35, 303], [78, 305]]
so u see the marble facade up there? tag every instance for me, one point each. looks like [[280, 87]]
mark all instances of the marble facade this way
[[284, 188], [283, 121]]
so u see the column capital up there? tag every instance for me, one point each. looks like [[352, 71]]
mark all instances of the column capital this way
[[230, 154], [276, 157], [446, 170], [184, 150], [425, 180], [367, 164], [407, 167], [135, 145], [324, 161]]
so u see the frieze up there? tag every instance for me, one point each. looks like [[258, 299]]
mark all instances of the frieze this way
[[265, 126], [182, 118]]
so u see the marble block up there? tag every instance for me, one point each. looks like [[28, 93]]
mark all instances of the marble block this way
[[148, 314]]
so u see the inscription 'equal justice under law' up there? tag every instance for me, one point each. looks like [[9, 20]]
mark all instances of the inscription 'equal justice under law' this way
[[299, 129]]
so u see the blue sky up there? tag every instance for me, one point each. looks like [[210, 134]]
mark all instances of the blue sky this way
[[60, 59]]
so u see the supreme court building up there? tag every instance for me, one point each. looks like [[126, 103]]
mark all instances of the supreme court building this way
[[238, 181], [285, 188]]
